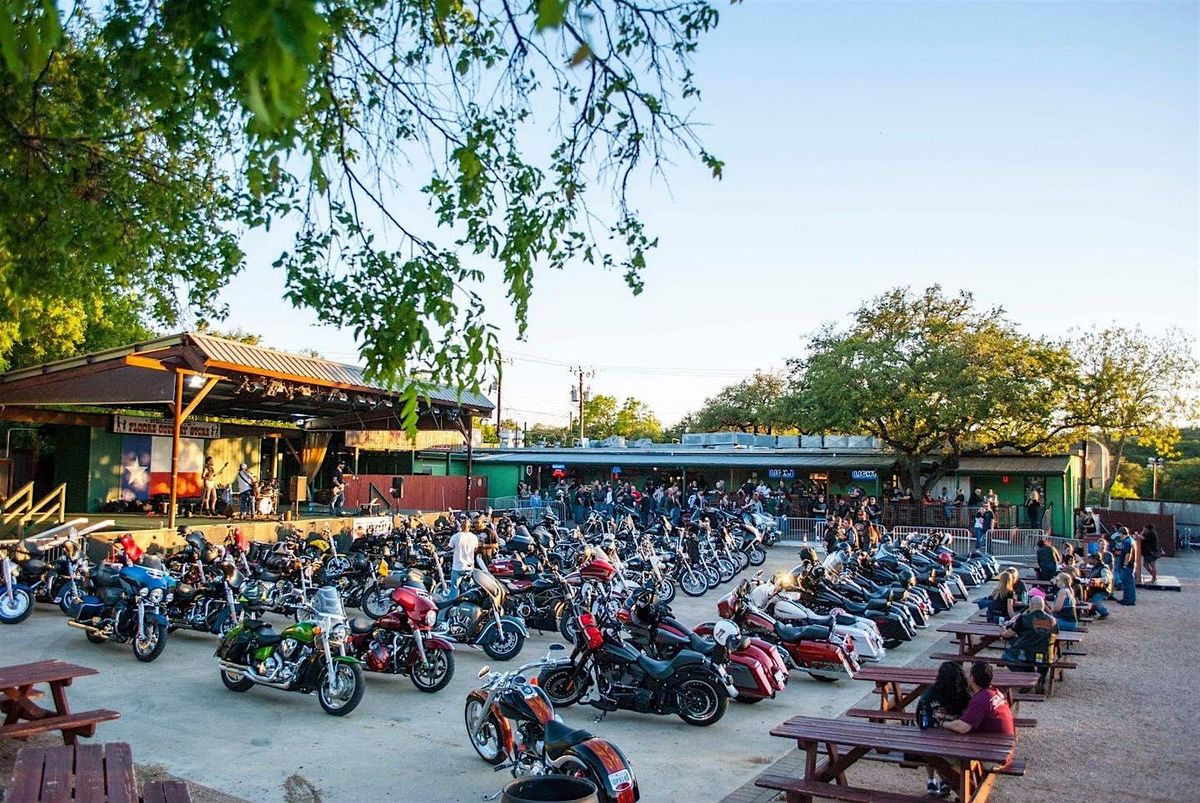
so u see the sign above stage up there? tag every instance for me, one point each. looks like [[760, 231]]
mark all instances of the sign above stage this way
[[137, 425]]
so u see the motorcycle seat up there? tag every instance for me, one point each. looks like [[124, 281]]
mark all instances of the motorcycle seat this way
[[659, 670], [185, 592], [844, 619], [560, 737], [806, 632], [34, 566], [267, 577], [256, 624], [701, 645], [104, 576], [361, 624]]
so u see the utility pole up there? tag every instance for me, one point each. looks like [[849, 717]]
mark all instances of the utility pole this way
[[499, 387], [580, 395]]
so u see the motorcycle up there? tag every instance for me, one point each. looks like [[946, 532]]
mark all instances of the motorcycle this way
[[620, 676], [778, 598], [127, 604], [474, 617], [512, 724], [210, 607], [304, 657], [817, 649], [401, 642]]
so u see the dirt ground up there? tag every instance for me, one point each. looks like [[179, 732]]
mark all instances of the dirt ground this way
[[1120, 727]]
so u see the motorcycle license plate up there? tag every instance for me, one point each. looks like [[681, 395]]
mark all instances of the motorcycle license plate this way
[[620, 780]]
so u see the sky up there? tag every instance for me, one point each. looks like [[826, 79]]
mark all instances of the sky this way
[[1044, 156]]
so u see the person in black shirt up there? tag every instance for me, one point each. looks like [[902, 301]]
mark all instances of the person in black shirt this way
[[338, 486], [1030, 636], [946, 699], [1150, 552], [1048, 560]]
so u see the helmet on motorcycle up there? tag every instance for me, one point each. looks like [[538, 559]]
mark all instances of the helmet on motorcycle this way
[[944, 558], [818, 572], [359, 562], [844, 546], [641, 608], [808, 554], [907, 578], [727, 634]]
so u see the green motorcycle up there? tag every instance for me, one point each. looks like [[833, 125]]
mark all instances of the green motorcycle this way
[[305, 657]]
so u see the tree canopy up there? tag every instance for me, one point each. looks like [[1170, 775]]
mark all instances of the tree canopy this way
[[931, 376], [751, 405], [140, 138], [604, 416]]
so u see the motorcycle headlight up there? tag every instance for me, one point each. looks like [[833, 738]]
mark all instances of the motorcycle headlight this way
[[339, 633], [431, 618], [157, 595], [145, 592]]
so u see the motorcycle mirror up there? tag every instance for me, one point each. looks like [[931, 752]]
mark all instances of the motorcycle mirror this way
[[485, 670]]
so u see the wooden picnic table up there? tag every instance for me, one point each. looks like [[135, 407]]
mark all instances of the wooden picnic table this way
[[974, 637], [86, 773], [23, 717], [891, 682], [970, 761]]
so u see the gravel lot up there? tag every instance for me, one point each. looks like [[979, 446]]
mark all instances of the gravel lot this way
[[400, 744]]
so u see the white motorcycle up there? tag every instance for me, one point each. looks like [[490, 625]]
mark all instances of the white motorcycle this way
[[776, 597]]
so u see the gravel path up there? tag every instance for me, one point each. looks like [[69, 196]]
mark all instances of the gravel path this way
[[1119, 727]]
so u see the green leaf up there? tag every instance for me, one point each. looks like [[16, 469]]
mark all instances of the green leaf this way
[[550, 14]]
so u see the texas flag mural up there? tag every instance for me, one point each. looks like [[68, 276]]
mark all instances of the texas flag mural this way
[[146, 466]]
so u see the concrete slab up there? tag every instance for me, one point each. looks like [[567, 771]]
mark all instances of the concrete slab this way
[[1165, 583], [400, 744]]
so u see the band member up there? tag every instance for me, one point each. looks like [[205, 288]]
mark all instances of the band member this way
[[208, 488], [243, 486], [339, 489]]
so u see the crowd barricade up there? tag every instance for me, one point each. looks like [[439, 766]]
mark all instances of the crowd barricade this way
[[530, 507], [798, 529]]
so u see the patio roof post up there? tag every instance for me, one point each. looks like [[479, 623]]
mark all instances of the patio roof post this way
[[177, 414], [470, 454]]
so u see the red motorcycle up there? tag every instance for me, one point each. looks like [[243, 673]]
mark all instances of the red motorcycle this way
[[815, 649], [400, 642], [511, 723], [755, 666]]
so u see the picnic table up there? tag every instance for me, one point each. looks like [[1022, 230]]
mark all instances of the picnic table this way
[[23, 717], [974, 637], [86, 773], [831, 746], [891, 682]]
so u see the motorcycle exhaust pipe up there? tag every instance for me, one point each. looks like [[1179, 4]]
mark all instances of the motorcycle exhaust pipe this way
[[89, 628], [250, 673]]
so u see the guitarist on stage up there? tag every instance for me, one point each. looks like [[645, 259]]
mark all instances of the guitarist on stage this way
[[339, 490]]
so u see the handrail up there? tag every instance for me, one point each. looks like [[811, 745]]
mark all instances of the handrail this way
[[21, 508], [11, 507]]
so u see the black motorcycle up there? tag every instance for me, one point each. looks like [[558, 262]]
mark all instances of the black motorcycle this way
[[474, 617], [621, 677], [210, 607]]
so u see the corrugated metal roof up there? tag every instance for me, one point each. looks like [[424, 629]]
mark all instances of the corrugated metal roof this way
[[1014, 464], [231, 351], [689, 458]]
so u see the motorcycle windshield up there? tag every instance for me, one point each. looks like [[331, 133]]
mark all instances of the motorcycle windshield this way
[[327, 602]]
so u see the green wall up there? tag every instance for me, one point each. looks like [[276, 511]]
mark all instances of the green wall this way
[[104, 469], [71, 451], [502, 479], [429, 465]]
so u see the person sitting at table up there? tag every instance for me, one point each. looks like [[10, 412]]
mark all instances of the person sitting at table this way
[[1063, 604], [1099, 583], [1048, 560], [1020, 590], [988, 711], [946, 699], [1030, 636], [1002, 599]]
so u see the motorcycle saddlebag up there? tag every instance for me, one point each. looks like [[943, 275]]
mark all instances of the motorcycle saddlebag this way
[[235, 646]]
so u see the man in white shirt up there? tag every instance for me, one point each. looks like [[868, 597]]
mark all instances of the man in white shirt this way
[[462, 545]]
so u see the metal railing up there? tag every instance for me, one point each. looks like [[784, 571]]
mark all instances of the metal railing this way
[[800, 529], [524, 505], [21, 508]]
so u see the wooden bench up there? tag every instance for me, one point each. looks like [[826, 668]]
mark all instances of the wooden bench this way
[[79, 724], [910, 717], [89, 773], [996, 659], [1028, 697], [798, 788]]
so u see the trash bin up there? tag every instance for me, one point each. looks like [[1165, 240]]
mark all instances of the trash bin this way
[[550, 789]]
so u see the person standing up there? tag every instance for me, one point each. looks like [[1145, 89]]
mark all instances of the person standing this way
[[988, 514], [463, 545], [1048, 559], [1150, 552], [980, 537], [338, 486], [1033, 508], [1126, 558], [208, 488], [243, 486]]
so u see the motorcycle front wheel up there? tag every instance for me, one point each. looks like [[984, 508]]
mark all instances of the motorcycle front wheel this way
[[350, 685], [757, 556], [568, 626], [506, 647], [693, 583], [376, 603], [150, 645], [561, 687], [725, 570], [711, 575], [435, 673], [487, 741], [666, 591], [701, 702], [70, 600], [15, 608]]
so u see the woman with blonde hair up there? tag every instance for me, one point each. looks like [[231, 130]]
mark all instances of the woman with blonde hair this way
[[1063, 606], [1003, 599]]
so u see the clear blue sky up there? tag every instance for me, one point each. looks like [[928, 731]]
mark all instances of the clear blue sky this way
[[1042, 155]]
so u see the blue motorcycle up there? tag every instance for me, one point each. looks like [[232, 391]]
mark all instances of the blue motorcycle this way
[[127, 604], [16, 597]]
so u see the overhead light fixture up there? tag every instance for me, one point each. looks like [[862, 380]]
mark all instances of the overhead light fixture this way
[[387, 403], [341, 396], [196, 381], [274, 388]]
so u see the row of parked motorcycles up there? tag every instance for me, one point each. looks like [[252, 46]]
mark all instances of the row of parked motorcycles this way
[[607, 592]]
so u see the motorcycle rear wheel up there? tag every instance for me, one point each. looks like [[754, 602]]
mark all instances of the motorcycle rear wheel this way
[[757, 556], [15, 609], [151, 646], [240, 685], [347, 701], [725, 570], [433, 675], [701, 703], [693, 583], [487, 744]]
